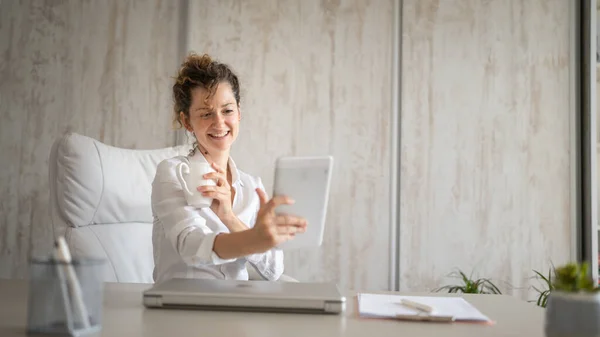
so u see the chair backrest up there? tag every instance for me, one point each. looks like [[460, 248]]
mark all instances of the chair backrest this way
[[100, 202]]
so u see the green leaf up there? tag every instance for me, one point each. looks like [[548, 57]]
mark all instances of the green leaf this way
[[573, 277], [470, 286]]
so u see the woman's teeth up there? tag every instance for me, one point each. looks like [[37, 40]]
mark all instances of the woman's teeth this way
[[219, 135]]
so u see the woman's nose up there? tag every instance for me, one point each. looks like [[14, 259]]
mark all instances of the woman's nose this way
[[218, 118]]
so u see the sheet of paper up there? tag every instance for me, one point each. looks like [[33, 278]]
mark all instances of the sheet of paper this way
[[379, 305]]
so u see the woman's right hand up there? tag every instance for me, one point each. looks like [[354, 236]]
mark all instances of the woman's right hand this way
[[271, 229]]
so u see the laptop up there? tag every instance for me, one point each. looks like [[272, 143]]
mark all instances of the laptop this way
[[235, 295]]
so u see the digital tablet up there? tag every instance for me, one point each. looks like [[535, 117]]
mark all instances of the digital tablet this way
[[306, 180]]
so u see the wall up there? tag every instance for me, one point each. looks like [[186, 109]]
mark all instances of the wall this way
[[316, 80], [101, 69], [485, 128], [486, 139]]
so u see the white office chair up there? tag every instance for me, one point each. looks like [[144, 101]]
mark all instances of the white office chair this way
[[100, 202]]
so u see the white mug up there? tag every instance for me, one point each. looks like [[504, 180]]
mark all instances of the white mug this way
[[191, 176]]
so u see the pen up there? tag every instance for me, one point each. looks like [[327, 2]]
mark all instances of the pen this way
[[418, 306], [63, 288], [64, 256]]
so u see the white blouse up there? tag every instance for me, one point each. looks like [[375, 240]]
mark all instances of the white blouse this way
[[183, 236]]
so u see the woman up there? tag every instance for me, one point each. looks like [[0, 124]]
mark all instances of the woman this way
[[240, 226]]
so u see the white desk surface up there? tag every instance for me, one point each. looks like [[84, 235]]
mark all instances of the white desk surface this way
[[124, 315]]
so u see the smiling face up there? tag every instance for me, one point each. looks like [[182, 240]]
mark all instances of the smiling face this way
[[214, 119]]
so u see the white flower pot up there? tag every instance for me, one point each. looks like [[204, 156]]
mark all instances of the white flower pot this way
[[572, 314]]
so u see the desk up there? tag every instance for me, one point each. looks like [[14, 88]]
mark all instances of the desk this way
[[124, 315]]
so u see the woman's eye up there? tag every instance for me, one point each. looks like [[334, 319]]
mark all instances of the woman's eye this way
[[229, 111], [206, 115]]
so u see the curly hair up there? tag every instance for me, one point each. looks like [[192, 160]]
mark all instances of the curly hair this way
[[200, 71]]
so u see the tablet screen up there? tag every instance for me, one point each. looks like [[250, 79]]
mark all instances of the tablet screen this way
[[306, 180]]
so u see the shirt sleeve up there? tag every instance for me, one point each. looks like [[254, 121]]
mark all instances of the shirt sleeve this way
[[270, 263], [183, 225]]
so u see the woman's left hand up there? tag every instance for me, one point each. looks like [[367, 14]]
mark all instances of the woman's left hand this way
[[221, 193]]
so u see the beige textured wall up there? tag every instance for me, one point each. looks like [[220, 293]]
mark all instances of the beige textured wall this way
[[485, 172], [485, 128], [316, 80], [99, 68]]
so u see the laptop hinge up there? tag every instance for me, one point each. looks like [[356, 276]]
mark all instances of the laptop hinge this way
[[152, 301]]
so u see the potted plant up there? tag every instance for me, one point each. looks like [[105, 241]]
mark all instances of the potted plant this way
[[470, 286], [542, 298], [573, 307]]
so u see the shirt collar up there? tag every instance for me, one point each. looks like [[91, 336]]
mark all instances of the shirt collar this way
[[235, 173]]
